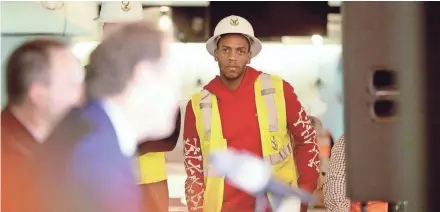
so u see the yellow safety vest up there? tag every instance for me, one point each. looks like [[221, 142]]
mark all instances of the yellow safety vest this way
[[152, 167], [275, 137]]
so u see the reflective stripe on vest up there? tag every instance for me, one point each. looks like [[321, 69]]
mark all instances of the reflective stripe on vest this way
[[277, 149], [206, 107], [273, 159], [268, 93]]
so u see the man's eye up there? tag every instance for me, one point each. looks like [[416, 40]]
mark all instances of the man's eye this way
[[225, 50]]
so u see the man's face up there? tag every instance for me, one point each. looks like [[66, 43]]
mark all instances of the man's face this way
[[232, 54], [65, 89], [157, 97]]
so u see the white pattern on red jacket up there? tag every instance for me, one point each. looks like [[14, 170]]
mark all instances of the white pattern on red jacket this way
[[193, 162]]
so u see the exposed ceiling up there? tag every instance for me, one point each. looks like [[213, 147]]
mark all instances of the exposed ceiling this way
[[54, 18], [334, 3], [176, 3]]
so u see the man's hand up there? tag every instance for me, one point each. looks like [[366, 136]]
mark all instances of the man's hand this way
[[320, 183], [319, 192]]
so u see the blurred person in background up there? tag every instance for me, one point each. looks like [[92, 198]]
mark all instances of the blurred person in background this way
[[89, 164], [152, 164], [247, 110], [335, 196], [324, 156], [44, 81], [324, 143]]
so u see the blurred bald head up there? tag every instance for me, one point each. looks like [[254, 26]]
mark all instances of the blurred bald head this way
[[114, 61], [44, 74]]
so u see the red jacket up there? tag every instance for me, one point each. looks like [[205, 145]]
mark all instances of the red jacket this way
[[18, 148], [241, 130]]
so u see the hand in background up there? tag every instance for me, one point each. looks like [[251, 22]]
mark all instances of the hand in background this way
[[320, 183]]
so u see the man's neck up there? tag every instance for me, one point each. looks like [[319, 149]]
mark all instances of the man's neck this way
[[35, 123], [232, 84]]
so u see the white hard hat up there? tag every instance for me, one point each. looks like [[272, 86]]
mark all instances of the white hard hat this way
[[234, 24], [120, 11]]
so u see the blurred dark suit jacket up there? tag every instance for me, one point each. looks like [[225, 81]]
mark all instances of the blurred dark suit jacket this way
[[82, 169]]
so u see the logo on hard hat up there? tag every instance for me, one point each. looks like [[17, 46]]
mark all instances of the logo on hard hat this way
[[234, 22], [125, 6]]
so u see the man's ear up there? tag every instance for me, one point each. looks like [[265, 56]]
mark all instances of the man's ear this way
[[215, 55], [37, 94]]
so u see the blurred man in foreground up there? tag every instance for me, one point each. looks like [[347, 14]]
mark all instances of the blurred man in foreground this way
[[152, 168], [89, 165], [44, 81], [247, 110]]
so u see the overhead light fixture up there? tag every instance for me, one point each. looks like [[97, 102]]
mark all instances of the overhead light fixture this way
[[317, 39], [164, 9], [165, 22], [334, 3]]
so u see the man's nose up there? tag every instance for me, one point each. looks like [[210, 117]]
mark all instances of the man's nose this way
[[232, 56]]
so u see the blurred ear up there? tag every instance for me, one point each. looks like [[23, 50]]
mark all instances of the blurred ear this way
[[215, 55], [38, 94]]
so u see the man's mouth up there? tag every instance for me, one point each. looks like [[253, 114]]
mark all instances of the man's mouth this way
[[232, 68]]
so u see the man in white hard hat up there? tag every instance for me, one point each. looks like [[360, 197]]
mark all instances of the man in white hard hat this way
[[152, 168], [247, 110]]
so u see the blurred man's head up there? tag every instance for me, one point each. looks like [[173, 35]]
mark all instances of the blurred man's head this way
[[128, 67], [44, 75]]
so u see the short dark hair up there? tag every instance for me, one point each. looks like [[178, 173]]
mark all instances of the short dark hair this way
[[111, 64], [27, 64]]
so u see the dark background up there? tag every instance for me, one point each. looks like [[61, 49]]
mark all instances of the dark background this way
[[270, 20]]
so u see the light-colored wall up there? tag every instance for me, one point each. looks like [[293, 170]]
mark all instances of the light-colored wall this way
[[71, 17], [31, 17], [299, 64]]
